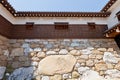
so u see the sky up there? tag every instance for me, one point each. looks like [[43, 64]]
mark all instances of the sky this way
[[59, 5]]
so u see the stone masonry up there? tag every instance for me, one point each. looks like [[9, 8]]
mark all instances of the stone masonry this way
[[59, 59]]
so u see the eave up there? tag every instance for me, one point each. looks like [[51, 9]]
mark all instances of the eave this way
[[114, 31], [108, 5]]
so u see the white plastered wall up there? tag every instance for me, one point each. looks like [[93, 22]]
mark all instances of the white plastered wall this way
[[112, 20]]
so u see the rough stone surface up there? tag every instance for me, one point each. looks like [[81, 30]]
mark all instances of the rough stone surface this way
[[56, 77], [91, 75], [56, 64], [113, 73], [2, 71], [81, 70], [75, 52], [100, 66], [63, 51], [109, 58], [90, 63], [22, 74], [17, 52], [75, 74], [41, 54], [51, 52], [45, 78]]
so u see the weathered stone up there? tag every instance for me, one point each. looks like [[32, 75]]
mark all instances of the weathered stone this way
[[99, 56], [3, 63], [92, 56], [35, 59], [89, 63], [23, 58], [41, 54], [17, 52], [102, 49], [1, 52], [67, 76], [34, 45], [74, 44], [75, 52], [97, 52], [6, 52], [12, 41], [34, 63], [81, 70], [75, 74], [28, 50], [25, 45], [109, 58], [27, 63], [86, 51], [110, 66], [3, 58], [16, 64], [56, 77], [117, 66], [100, 66], [2, 71], [77, 65], [84, 57], [22, 74], [37, 49], [45, 78], [32, 54], [51, 52], [63, 51], [113, 73], [49, 46], [32, 40], [56, 64], [110, 49], [16, 45], [91, 75]]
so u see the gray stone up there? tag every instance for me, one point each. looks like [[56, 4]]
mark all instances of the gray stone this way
[[51, 52], [75, 44], [37, 49], [25, 45], [113, 73], [2, 71], [17, 52], [22, 74], [91, 75], [109, 58], [63, 51], [45, 78], [86, 51], [49, 46], [32, 40], [6, 52], [56, 64], [27, 50], [81, 70], [67, 76]]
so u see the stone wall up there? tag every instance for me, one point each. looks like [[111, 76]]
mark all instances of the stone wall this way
[[62, 59], [4, 54]]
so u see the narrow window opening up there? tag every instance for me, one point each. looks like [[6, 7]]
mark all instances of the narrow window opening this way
[[91, 25], [61, 25], [29, 25]]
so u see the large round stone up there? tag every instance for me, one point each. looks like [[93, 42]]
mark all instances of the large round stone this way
[[56, 64]]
